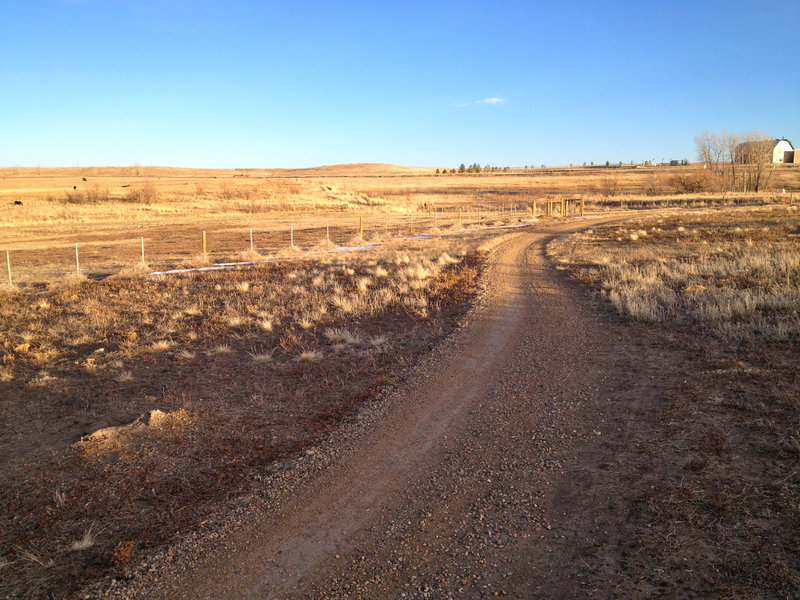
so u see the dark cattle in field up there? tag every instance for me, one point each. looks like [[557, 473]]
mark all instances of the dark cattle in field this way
[[74, 187], [84, 178], [17, 202]]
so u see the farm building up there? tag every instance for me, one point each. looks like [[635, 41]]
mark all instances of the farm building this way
[[775, 151], [783, 152]]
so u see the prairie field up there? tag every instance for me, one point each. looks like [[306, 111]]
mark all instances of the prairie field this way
[[118, 214], [136, 404]]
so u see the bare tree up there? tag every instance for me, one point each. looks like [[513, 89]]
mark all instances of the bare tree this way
[[737, 162], [753, 156]]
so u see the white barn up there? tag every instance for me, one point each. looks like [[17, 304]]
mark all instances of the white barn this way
[[781, 151]]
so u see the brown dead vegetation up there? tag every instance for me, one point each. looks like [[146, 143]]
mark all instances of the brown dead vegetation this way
[[723, 287], [133, 408]]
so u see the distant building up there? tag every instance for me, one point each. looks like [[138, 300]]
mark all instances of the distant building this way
[[783, 152], [775, 151]]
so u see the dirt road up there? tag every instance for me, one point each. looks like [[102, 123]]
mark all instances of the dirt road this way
[[495, 469]]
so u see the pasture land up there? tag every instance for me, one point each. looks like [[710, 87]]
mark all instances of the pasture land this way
[[135, 407], [110, 212]]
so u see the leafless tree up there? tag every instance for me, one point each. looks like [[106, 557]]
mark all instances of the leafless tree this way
[[713, 148], [737, 162], [754, 158]]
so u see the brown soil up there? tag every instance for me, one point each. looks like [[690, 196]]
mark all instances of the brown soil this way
[[549, 449]]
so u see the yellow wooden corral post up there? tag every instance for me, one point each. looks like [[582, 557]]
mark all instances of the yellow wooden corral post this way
[[205, 247], [581, 205]]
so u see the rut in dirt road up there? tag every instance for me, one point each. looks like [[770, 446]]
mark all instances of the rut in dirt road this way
[[457, 491]]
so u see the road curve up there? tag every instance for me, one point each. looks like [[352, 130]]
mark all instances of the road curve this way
[[455, 490]]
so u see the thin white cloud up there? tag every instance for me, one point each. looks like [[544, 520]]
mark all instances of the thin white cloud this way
[[491, 101]]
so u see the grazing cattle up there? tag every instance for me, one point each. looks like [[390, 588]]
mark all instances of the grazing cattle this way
[[74, 187], [84, 178], [17, 202]]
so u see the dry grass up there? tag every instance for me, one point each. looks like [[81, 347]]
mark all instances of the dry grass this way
[[735, 274], [229, 204], [714, 298], [251, 365]]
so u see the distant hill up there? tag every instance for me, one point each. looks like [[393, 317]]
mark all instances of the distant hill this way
[[343, 170], [356, 170]]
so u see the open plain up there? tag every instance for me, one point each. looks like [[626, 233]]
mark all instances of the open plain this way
[[474, 400]]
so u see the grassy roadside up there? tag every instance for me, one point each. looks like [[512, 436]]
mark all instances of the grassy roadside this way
[[723, 288], [133, 406]]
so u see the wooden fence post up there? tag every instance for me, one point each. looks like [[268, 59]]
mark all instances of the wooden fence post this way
[[8, 263], [581, 205], [533, 208], [291, 234], [77, 262], [205, 247], [251, 239]]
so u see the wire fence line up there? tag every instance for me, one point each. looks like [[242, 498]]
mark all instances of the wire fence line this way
[[165, 248]]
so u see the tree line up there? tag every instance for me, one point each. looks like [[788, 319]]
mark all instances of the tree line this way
[[473, 168]]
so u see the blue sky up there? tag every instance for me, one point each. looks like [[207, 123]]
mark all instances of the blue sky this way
[[280, 84]]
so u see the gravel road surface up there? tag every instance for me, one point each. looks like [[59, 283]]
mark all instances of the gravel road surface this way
[[497, 468]]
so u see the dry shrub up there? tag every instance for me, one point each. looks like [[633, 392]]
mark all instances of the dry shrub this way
[[139, 269], [251, 255], [70, 281], [143, 193], [690, 182]]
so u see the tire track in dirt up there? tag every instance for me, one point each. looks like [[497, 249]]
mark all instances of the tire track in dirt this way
[[457, 490]]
